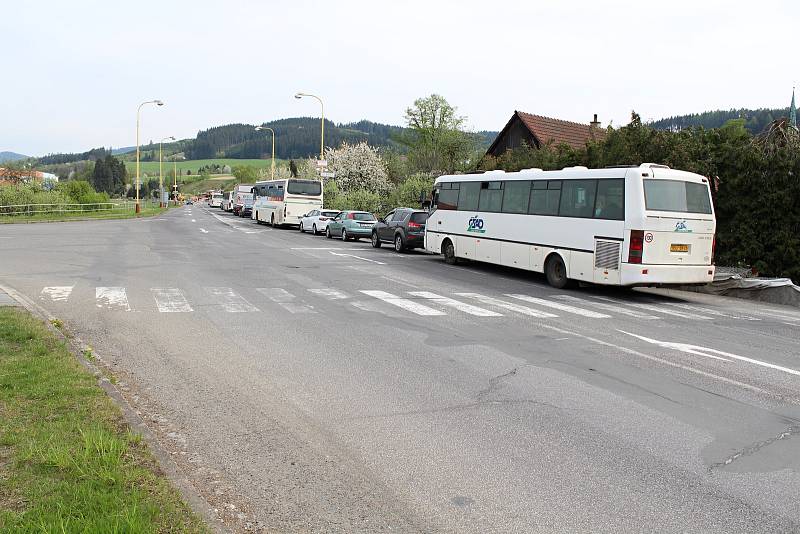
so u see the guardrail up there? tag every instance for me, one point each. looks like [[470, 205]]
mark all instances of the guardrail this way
[[34, 209]]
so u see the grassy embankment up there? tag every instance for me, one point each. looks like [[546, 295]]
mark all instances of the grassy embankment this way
[[68, 463], [128, 213]]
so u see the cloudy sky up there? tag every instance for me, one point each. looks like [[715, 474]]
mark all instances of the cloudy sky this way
[[75, 72]]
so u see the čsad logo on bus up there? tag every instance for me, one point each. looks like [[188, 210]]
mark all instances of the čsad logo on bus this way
[[475, 224], [680, 226]]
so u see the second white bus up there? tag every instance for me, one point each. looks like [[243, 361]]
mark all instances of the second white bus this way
[[633, 226], [284, 202]]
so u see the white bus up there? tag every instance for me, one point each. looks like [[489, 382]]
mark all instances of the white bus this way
[[627, 226], [280, 202], [216, 199]]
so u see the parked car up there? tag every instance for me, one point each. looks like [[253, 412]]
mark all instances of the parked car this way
[[189, 202], [243, 204], [228, 200], [317, 220], [350, 225], [403, 227]]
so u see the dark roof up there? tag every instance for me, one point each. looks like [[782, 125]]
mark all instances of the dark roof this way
[[556, 131]]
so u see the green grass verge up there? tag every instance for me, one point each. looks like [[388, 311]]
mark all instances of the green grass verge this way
[[67, 461], [147, 211], [151, 167]]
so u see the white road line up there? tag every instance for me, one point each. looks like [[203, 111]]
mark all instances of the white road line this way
[[703, 351], [170, 300], [780, 314], [230, 301], [656, 308], [56, 293], [406, 304], [709, 311], [329, 293], [194, 220], [112, 298], [518, 308], [457, 304], [285, 300], [204, 230], [357, 257], [604, 306], [326, 248], [558, 306]]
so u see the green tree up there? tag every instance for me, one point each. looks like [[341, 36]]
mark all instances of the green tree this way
[[245, 173], [436, 140]]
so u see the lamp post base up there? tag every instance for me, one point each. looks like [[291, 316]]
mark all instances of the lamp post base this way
[[138, 208]]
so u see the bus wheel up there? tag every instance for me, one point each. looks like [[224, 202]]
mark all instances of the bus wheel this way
[[272, 220], [556, 272], [449, 253]]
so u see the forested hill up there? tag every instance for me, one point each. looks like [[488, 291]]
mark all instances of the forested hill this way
[[755, 119], [294, 138]]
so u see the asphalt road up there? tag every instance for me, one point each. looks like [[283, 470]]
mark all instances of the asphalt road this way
[[306, 384]]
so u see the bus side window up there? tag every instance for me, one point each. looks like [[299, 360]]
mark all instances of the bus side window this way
[[447, 196], [610, 202], [468, 196]]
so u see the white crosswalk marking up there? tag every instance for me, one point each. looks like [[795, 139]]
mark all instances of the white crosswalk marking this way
[[285, 300], [659, 309], [709, 311], [457, 304], [56, 293], [329, 293], [112, 298], [518, 308], [170, 300], [230, 301], [606, 307], [558, 306], [406, 304]]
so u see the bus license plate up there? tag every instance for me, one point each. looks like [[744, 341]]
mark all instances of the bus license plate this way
[[678, 248]]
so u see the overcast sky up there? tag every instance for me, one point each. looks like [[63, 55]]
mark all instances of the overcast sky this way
[[74, 72]]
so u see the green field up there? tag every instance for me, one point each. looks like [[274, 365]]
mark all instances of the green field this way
[[151, 167]]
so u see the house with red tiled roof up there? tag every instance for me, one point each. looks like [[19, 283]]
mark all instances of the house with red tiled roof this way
[[537, 131]]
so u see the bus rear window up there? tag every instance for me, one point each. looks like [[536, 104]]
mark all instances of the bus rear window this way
[[674, 195], [310, 188]]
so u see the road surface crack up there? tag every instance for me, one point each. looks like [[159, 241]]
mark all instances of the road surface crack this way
[[495, 383], [755, 447]]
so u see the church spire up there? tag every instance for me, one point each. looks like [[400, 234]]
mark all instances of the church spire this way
[[793, 113]]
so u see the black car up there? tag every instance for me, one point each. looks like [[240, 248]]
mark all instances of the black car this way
[[403, 227]]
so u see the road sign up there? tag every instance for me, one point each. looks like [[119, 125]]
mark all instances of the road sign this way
[[328, 174], [322, 163]]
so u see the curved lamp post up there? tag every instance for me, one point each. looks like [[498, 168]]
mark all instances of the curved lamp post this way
[[322, 131], [258, 128], [161, 170], [138, 180]]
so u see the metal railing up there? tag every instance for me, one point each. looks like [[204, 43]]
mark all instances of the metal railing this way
[[35, 209]]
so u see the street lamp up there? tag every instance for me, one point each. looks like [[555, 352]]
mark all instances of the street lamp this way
[[273, 148], [138, 112], [322, 133], [161, 170], [175, 178]]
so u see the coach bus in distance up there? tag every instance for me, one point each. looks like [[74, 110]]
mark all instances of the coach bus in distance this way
[[284, 202], [626, 226]]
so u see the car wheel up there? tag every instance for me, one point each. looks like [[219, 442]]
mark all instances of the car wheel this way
[[556, 272], [302, 230], [376, 242], [314, 229], [344, 235], [328, 233], [399, 246], [449, 253]]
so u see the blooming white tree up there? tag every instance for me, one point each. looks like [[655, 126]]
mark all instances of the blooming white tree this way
[[358, 167]]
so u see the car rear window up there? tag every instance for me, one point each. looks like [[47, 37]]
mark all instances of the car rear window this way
[[419, 217], [363, 216]]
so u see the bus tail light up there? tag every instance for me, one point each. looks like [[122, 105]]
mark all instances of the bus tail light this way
[[713, 248], [636, 246]]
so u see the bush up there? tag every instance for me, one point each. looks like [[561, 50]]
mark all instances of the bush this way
[[32, 193], [81, 192], [361, 200], [407, 193]]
